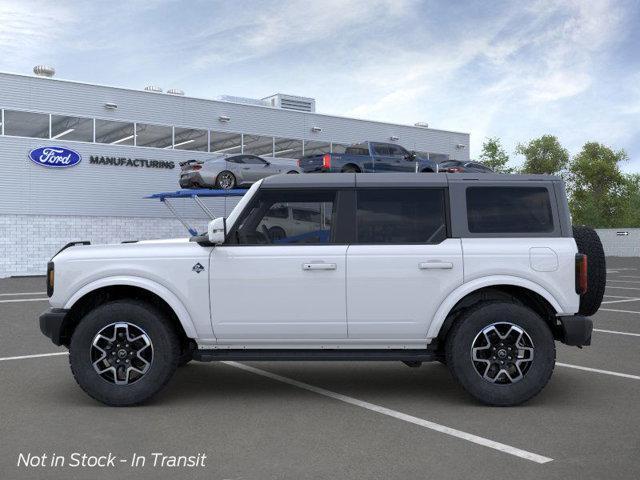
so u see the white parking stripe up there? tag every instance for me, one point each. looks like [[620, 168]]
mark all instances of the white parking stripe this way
[[627, 276], [621, 301], [616, 296], [622, 288], [15, 300], [623, 281], [21, 293], [619, 311], [485, 442], [597, 370], [22, 357], [616, 332]]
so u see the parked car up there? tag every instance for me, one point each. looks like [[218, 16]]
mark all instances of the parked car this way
[[231, 171], [369, 157], [481, 272], [462, 166]]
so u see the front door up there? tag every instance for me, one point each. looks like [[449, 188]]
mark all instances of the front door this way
[[281, 278], [402, 265]]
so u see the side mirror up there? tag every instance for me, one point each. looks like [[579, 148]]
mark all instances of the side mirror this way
[[217, 230]]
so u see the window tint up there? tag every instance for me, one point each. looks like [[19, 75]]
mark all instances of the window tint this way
[[268, 222], [397, 151], [357, 151], [401, 216], [381, 149], [235, 159], [509, 210], [26, 124], [250, 159]]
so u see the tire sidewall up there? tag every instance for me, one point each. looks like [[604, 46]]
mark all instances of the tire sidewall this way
[[165, 352], [460, 342]]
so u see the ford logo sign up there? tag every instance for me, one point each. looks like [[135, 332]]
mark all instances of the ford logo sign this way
[[56, 157]]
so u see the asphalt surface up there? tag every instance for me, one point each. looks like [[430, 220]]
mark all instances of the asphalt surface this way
[[255, 427]]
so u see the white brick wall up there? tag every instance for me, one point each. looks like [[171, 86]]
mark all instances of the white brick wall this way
[[27, 242]]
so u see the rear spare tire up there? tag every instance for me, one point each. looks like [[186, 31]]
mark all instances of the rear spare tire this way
[[589, 244]]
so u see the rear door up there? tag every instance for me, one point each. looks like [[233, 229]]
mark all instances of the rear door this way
[[403, 263]]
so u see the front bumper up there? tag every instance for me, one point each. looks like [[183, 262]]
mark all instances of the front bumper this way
[[53, 324], [575, 330]]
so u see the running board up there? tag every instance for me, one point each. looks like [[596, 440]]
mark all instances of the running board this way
[[402, 355]]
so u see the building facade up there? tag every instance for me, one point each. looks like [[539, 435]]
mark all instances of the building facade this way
[[130, 144]]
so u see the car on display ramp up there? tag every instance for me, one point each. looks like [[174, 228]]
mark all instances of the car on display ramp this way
[[227, 172], [369, 157], [481, 272]]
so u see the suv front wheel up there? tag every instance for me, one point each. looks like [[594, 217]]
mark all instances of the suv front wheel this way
[[123, 352], [502, 353]]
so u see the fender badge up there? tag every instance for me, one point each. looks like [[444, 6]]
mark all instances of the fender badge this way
[[198, 268]]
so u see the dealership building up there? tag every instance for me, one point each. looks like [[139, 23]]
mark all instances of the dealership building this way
[[128, 144]]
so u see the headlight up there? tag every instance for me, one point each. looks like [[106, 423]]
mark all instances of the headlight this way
[[50, 278]]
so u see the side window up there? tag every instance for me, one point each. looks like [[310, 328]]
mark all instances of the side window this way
[[253, 160], [397, 151], [235, 160], [401, 216], [381, 149], [268, 222], [509, 210]]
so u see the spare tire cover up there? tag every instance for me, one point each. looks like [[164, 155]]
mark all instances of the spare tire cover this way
[[589, 243]]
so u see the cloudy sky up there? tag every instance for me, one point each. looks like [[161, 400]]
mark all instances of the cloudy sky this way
[[515, 70]]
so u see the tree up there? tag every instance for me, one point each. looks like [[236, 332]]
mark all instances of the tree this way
[[494, 156], [544, 155], [601, 196]]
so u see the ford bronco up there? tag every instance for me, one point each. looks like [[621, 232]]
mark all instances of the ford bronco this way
[[481, 272]]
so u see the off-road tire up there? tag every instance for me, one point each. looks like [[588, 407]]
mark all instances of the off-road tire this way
[[166, 352], [459, 343], [589, 243]]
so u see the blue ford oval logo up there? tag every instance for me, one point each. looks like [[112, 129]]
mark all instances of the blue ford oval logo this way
[[57, 157]]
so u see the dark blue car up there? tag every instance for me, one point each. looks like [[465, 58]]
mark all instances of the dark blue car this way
[[368, 157]]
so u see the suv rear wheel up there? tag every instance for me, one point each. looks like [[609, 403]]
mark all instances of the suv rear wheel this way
[[502, 353], [123, 352]]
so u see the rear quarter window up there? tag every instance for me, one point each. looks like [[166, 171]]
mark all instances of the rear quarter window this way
[[509, 210]]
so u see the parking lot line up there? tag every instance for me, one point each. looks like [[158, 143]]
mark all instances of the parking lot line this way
[[629, 299], [485, 442], [597, 370], [616, 332], [619, 311], [628, 276], [622, 288], [16, 300], [38, 355], [623, 281], [21, 293]]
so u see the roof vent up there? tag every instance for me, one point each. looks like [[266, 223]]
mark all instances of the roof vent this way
[[175, 91], [153, 88], [422, 124], [243, 100], [44, 71]]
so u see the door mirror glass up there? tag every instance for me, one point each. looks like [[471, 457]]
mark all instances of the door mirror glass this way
[[217, 230]]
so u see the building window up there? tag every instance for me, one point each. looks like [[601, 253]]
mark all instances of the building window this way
[[338, 147], [72, 128], [114, 133], [258, 145], [190, 139], [26, 124], [157, 136], [312, 147], [224, 142], [287, 148]]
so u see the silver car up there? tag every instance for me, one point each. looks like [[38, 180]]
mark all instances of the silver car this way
[[231, 171]]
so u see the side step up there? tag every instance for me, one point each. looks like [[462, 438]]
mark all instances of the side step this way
[[271, 355]]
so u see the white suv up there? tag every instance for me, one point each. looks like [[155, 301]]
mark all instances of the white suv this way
[[481, 272]]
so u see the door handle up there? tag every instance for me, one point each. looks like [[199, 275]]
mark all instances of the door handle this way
[[435, 265], [319, 266]]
